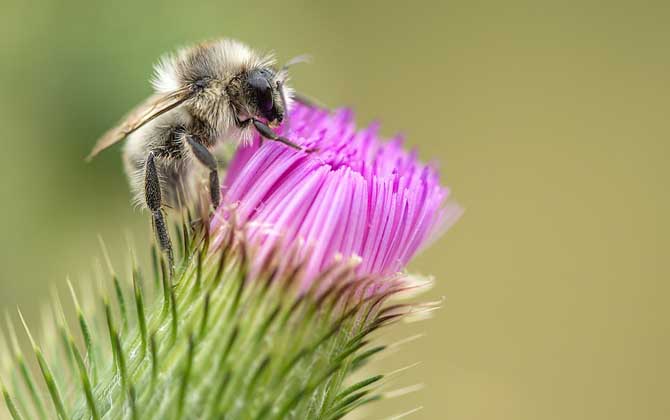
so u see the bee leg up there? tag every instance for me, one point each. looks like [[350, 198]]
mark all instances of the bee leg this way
[[267, 132], [152, 195], [205, 157]]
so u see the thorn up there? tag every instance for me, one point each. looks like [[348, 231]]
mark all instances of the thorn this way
[[229, 345], [121, 302], [73, 294], [58, 310], [180, 240], [357, 386], [110, 328], [154, 358], [173, 311], [349, 351], [198, 275], [166, 288], [362, 358], [46, 373], [185, 235], [25, 327], [85, 332], [5, 359], [256, 376], [268, 323], [121, 360], [218, 394], [130, 243], [404, 391], [85, 380], [14, 341], [402, 369], [139, 306], [186, 376], [264, 411], [205, 313], [132, 401], [405, 414], [13, 411], [407, 340], [154, 265], [105, 255], [23, 369], [62, 326], [348, 402]]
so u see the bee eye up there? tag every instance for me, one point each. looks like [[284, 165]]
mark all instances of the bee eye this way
[[261, 89]]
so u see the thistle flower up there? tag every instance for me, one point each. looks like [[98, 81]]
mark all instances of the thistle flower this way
[[272, 306], [353, 196]]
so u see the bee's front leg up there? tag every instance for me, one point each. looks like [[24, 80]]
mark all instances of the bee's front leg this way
[[267, 132], [205, 157], [153, 197]]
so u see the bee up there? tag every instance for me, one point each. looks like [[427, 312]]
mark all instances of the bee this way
[[204, 94]]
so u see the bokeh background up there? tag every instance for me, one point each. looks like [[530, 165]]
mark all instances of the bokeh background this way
[[549, 119]]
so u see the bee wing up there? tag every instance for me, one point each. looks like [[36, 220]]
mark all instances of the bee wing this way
[[151, 108]]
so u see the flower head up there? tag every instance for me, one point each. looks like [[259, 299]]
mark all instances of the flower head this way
[[213, 344], [355, 196]]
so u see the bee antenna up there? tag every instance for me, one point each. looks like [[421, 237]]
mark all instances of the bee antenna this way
[[303, 58], [281, 77], [283, 72]]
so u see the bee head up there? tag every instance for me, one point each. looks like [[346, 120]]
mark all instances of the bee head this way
[[265, 95]]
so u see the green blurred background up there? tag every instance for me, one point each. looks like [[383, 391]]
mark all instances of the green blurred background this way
[[550, 121]]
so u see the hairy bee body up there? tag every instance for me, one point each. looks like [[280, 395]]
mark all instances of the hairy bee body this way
[[205, 94], [216, 71]]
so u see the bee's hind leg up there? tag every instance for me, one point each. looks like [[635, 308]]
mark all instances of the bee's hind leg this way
[[152, 194], [205, 157]]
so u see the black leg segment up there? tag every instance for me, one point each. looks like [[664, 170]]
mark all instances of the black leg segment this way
[[267, 132], [152, 186], [152, 194], [205, 157]]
